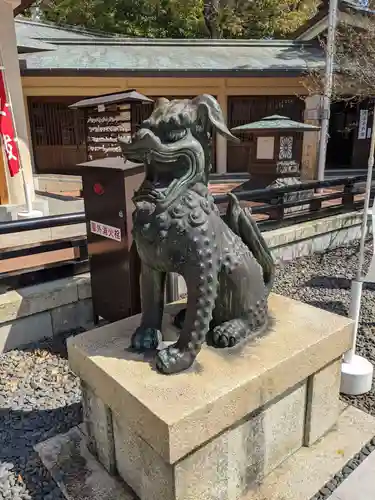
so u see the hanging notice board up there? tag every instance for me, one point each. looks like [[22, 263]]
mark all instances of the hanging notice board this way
[[103, 129], [108, 117]]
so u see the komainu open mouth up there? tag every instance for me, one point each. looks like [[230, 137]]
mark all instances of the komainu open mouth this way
[[167, 164]]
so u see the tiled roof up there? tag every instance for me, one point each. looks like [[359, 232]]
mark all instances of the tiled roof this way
[[118, 55]]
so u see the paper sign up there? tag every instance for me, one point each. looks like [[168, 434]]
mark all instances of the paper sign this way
[[101, 108], [362, 127], [113, 233], [265, 148]]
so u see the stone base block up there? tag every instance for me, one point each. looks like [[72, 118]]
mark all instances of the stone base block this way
[[217, 430], [40, 311], [225, 467]]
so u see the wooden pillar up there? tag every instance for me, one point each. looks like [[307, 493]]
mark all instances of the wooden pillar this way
[[309, 164], [4, 198]]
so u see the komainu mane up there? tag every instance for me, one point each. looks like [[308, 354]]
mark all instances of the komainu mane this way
[[226, 264]]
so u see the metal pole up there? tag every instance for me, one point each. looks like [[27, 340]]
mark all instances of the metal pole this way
[[357, 284], [172, 287], [328, 84]]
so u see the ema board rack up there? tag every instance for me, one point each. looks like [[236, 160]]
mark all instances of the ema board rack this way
[[108, 117]]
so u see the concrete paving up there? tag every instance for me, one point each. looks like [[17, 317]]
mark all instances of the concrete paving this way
[[68, 452], [298, 478], [360, 485], [302, 475], [61, 204]]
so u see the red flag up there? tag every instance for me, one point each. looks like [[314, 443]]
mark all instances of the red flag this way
[[7, 130]]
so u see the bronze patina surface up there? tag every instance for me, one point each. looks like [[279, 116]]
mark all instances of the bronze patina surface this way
[[226, 264]]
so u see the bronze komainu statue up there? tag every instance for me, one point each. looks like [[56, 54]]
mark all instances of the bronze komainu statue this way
[[226, 264]]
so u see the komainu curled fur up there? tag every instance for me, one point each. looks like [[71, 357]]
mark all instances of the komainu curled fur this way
[[226, 263]]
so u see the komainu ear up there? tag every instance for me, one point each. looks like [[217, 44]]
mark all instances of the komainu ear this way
[[162, 101], [208, 109], [156, 113]]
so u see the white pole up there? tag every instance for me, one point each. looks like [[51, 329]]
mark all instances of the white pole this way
[[328, 84], [26, 188], [356, 372]]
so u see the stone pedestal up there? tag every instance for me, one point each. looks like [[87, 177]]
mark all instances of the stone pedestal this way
[[215, 431]]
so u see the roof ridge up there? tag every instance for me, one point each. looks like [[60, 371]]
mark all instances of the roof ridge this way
[[181, 42]]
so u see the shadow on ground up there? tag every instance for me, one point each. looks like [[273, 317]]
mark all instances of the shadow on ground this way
[[38, 372], [334, 283], [328, 282], [20, 431], [334, 306]]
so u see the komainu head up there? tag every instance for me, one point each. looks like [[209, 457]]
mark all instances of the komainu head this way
[[174, 143], [172, 120]]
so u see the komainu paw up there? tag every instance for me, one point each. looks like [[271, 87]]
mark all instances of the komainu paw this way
[[173, 360], [145, 339], [230, 333]]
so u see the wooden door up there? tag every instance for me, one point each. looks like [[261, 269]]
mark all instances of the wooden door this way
[[58, 135]]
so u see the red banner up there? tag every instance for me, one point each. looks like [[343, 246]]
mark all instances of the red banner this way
[[7, 131]]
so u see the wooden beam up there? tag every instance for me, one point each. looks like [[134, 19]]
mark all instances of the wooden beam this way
[[25, 4]]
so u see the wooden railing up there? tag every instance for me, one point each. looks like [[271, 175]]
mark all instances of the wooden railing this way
[[270, 207]]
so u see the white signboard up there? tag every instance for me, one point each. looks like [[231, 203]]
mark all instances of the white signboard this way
[[113, 233], [265, 148], [287, 167], [362, 127]]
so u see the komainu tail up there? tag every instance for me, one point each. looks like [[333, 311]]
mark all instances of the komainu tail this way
[[242, 223]]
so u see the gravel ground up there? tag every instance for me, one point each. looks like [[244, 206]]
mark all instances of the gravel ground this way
[[324, 280], [40, 398]]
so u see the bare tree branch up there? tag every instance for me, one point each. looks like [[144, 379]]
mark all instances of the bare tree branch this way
[[211, 10], [354, 75]]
